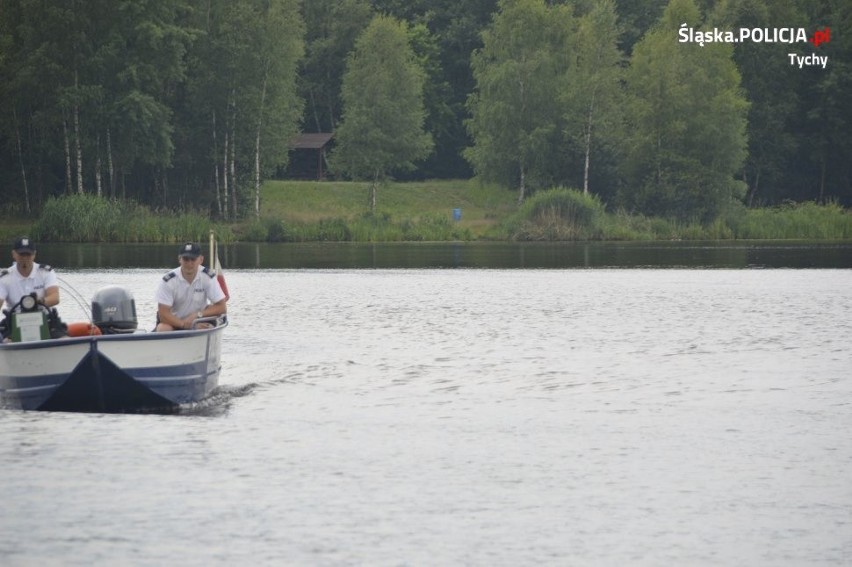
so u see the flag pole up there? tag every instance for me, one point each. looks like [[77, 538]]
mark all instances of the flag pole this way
[[213, 251]]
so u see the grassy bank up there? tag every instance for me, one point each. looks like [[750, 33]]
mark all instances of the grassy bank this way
[[304, 210], [10, 229], [298, 211]]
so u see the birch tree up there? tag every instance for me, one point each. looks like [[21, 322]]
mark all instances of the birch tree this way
[[277, 108], [592, 87], [515, 111], [383, 113], [243, 93]]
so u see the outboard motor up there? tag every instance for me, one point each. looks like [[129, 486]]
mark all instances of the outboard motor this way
[[114, 310]]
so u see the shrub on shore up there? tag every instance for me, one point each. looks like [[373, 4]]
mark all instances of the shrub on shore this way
[[557, 214], [88, 218]]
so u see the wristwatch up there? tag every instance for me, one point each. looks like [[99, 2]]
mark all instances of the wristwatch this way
[[199, 315]]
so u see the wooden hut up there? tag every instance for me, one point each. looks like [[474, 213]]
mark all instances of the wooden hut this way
[[308, 155]]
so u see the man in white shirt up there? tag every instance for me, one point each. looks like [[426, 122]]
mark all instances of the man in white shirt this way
[[25, 276], [188, 292]]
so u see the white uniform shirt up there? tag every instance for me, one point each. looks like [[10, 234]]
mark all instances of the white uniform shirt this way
[[14, 286], [185, 298]]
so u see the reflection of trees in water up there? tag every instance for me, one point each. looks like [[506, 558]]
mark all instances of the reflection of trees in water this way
[[482, 255]]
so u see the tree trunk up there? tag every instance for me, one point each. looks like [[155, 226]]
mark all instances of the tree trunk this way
[[79, 149], [225, 174], [77, 142], [314, 110], [257, 150], [522, 189], [257, 174], [69, 185], [21, 162], [373, 191], [752, 190], [165, 186], [588, 145], [216, 167], [98, 185], [230, 156], [233, 161], [110, 166]]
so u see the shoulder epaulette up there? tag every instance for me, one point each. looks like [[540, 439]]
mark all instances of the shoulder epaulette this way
[[169, 276], [4, 273], [209, 272], [45, 267]]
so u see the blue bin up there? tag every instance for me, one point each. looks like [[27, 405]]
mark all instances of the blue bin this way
[[456, 214]]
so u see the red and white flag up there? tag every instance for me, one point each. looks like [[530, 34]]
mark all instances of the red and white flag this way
[[216, 265]]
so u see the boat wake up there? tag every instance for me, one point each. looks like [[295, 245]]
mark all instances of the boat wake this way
[[218, 402]]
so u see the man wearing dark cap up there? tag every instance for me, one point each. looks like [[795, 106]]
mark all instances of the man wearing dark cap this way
[[188, 292], [25, 276]]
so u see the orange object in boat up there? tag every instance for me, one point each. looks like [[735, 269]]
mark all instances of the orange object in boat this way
[[83, 329]]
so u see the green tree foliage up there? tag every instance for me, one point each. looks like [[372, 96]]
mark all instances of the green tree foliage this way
[[383, 113], [772, 87], [241, 105], [39, 51], [825, 109], [455, 28], [332, 27], [441, 120], [592, 86], [637, 17], [101, 100], [515, 111], [189, 105], [103, 73], [141, 65], [686, 126], [274, 106]]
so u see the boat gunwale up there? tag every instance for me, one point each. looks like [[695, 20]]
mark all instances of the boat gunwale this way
[[128, 337]]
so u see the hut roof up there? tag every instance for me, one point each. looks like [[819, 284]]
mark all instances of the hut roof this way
[[310, 141]]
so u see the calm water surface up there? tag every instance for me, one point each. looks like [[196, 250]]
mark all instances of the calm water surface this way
[[476, 417]]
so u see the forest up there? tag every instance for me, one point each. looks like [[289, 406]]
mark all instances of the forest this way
[[677, 108]]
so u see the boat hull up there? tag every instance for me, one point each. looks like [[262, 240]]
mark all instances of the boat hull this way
[[111, 373]]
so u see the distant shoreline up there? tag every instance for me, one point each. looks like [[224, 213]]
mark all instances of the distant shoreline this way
[[437, 210]]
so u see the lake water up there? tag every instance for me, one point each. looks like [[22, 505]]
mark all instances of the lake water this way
[[467, 416]]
